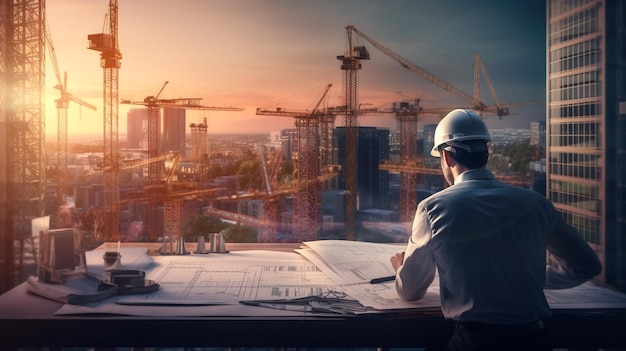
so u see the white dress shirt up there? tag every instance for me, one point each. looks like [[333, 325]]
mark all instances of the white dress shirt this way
[[488, 241]]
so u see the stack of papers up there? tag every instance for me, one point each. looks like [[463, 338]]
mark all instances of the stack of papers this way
[[353, 264], [350, 262]]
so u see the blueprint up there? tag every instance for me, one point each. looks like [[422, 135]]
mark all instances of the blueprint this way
[[214, 284], [233, 277], [352, 264], [585, 296]]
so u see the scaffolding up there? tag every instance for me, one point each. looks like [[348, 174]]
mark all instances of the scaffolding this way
[[22, 128]]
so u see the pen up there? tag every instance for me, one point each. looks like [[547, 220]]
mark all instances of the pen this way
[[383, 279], [280, 306]]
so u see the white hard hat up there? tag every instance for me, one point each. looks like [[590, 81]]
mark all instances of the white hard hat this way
[[459, 125]]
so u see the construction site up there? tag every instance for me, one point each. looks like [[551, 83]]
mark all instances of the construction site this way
[[152, 183]]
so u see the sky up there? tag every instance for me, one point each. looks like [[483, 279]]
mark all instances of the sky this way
[[283, 53]]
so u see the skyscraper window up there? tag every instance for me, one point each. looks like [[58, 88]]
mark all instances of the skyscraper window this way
[[586, 124]]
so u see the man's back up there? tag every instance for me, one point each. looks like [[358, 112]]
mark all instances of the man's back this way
[[489, 241]]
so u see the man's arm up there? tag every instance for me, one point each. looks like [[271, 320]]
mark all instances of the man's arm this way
[[574, 260], [417, 271]]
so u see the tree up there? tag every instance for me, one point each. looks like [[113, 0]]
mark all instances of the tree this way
[[250, 174], [240, 234], [202, 225], [520, 154], [285, 172]]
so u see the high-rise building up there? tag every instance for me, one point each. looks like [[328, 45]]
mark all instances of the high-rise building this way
[[174, 131], [288, 139], [136, 128], [586, 124], [372, 182], [429, 139], [538, 135]]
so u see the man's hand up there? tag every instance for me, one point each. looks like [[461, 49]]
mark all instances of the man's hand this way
[[397, 260]]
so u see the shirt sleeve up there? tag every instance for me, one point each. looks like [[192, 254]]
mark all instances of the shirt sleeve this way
[[418, 270], [573, 261]]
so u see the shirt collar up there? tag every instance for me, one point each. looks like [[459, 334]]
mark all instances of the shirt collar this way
[[475, 174]]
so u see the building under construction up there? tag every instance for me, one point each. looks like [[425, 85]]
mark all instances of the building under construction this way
[[23, 42], [22, 116]]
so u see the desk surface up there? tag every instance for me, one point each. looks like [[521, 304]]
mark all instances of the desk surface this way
[[29, 320]]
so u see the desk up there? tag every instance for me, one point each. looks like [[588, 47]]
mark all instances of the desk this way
[[29, 320]]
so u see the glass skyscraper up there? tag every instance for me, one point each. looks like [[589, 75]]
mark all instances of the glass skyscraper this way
[[586, 124]]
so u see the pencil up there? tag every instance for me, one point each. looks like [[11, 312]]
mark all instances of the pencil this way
[[383, 279]]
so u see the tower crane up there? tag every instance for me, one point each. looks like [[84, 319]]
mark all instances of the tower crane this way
[[474, 101], [151, 193], [307, 164], [327, 125], [351, 64], [154, 104], [110, 61], [62, 104], [410, 164]]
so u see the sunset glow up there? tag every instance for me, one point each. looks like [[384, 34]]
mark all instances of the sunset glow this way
[[283, 53]]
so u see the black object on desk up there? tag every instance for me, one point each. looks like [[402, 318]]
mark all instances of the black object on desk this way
[[383, 279]]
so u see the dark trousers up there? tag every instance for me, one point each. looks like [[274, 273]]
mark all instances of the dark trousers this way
[[482, 336]]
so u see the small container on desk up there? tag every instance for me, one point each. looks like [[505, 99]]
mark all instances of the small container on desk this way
[[112, 260], [61, 255]]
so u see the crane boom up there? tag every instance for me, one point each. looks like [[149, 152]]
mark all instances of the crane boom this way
[[83, 103], [418, 70], [475, 102], [162, 88], [53, 55], [319, 102], [480, 67], [188, 103], [62, 104]]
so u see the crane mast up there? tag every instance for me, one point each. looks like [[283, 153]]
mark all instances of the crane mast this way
[[327, 125], [110, 61], [270, 207], [406, 116], [307, 164], [350, 64], [410, 165], [153, 108]]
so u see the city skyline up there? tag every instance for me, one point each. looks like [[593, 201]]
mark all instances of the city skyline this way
[[281, 53]]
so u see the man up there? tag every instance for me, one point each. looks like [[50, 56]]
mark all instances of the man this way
[[488, 241]]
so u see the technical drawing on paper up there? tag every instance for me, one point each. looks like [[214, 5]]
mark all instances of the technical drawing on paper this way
[[352, 264], [231, 278]]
